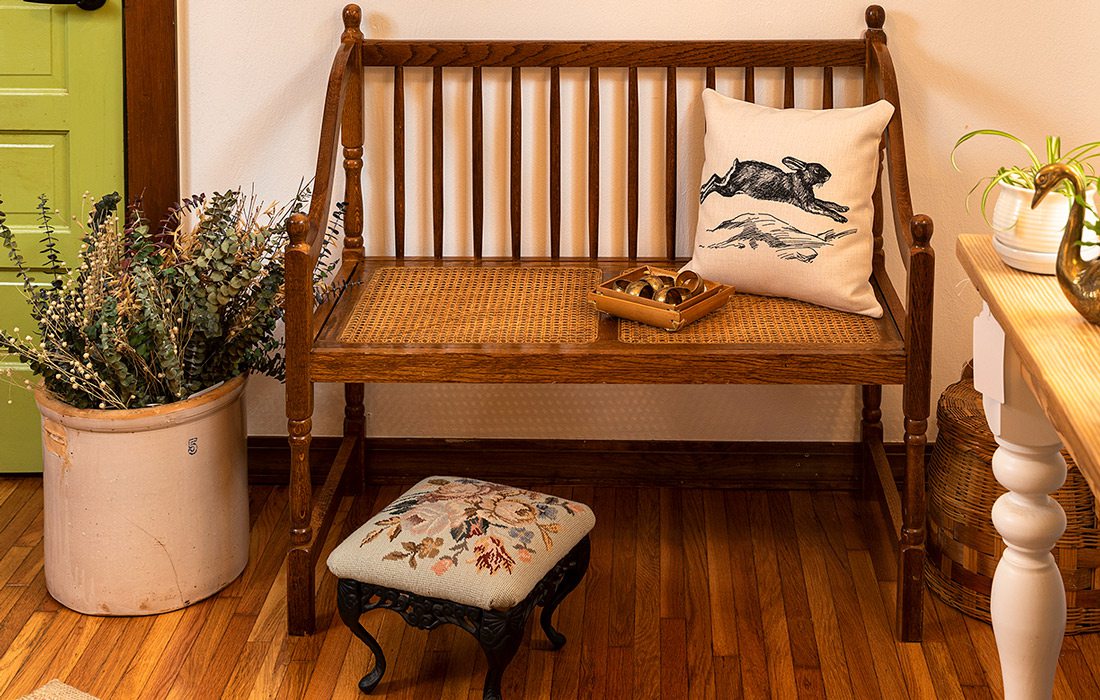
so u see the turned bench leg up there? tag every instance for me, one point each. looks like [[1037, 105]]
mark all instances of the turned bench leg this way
[[911, 548], [911, 539], [870, 433], [355, 426], [299, 584], [916, 401], [355, 421]]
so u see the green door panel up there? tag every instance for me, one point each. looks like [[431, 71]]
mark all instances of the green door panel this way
[[19, 430], [61, 134], [21, 450]]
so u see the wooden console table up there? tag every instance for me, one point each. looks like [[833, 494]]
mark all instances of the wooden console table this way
[[1037, 365]]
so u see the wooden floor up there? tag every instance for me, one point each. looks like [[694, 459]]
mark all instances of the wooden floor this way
[[691, 594]]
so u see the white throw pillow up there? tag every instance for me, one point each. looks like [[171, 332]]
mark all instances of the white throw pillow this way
[[785, 201]]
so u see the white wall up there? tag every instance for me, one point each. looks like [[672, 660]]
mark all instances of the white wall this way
[[252, 82]]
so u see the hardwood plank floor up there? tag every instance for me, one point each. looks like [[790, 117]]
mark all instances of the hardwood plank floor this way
[[690, 594]]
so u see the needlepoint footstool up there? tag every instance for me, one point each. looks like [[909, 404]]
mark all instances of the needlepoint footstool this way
[[466, 552]]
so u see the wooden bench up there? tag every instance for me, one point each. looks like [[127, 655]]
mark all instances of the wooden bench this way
[[375, 331]]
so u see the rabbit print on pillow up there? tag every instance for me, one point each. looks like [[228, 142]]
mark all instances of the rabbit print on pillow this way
[[785, 201]]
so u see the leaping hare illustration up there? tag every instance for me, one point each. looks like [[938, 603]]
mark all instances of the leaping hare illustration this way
[[765, 181]]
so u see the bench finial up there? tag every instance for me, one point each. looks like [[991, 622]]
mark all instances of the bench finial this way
[[876, 17], [353, 15], [298, 228], [921, 227]]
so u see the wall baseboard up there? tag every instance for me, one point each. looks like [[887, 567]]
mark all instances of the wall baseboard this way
[[743, 465]]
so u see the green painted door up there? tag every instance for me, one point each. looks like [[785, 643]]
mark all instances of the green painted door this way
[[61, 134]]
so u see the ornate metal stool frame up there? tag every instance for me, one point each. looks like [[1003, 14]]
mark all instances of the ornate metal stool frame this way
[[498, 631]]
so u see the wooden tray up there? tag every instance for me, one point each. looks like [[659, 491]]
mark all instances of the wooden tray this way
[[668, 316]]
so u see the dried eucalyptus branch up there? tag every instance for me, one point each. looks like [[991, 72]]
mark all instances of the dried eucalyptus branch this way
[[150, 316]]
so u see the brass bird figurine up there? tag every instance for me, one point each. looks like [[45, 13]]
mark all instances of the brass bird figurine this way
[[1078, 278]]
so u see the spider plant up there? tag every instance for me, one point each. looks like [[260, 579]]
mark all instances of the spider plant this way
[[1077, 158]]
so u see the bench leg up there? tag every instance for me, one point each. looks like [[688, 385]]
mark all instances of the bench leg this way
[[578, 566], [870, 433], [911, 549], [355, 425], [300, 603]]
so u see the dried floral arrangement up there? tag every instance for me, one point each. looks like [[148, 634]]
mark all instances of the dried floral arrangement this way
[[153, 314]]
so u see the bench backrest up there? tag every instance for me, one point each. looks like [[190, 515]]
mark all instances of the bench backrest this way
[[814, 58]]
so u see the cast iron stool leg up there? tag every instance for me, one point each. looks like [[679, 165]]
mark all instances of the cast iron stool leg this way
[[572, 578], [500, 635], [348, 603], [499, 632]]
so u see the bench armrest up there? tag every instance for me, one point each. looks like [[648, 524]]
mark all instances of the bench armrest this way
[[307, 231], [882, 83], [913, 231], [317, 220]]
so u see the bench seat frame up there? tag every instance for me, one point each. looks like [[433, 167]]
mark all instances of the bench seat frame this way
[[315, 353]]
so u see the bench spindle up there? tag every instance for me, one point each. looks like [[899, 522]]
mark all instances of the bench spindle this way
[[788, 87], [878, 256], [555, 163], [670, 163], [711, 77], [477, 166], [827, 88], [871, 95], [516, 202], [437, 162], [352, 141], [593, 162], [632, 163], [750, 84], [399, 161]]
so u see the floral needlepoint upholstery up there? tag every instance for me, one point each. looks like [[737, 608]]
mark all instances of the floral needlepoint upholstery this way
[[464, 540]]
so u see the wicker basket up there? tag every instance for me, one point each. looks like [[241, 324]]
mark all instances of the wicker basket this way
[[963, 547]]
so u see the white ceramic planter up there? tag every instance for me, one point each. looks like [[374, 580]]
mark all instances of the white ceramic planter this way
[[1027, 238], [146, 510]]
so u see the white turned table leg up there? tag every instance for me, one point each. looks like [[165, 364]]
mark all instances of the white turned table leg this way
[[1028, 601]]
